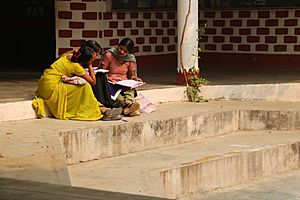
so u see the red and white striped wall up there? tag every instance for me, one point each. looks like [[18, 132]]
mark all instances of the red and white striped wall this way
[[154, 33], [233, 37], [251, 37]]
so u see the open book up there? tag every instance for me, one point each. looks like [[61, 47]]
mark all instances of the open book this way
[[128, 83]]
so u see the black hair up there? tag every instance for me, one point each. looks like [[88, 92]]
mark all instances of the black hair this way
[[127, 42], [83, 55], [94, 45]]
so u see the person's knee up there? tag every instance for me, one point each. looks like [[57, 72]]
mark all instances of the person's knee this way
[[120, 101]]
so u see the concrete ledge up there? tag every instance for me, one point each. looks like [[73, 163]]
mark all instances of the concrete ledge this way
[[42, 146], [103, 142], [165, 95], [269, 120], [16, 111], [206, 165], [268, 92], [30, 151], [20, 110], [230, 169]]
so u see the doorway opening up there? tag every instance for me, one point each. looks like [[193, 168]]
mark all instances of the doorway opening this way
[[28, 34]]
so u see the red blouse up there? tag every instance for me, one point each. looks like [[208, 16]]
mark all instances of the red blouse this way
[[117, 71]]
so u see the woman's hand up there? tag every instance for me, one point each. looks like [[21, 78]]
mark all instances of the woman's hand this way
[[90, 77], [137, 78]]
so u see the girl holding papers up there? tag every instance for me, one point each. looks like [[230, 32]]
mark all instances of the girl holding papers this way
[[121, 64]]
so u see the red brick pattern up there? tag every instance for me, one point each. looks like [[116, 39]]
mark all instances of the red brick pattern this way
[[89, 33], [77, 6], [89, 15], [76, 25], [154, 32], [65, 33], [75, 43], [274, 31], [64, 15]]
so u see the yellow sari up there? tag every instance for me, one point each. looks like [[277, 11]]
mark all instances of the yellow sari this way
[[65, 101]]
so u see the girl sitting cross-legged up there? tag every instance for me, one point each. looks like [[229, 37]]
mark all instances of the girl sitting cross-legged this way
[[121, 65]]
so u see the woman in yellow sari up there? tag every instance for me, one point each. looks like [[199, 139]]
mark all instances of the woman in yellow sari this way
[[74, 101]]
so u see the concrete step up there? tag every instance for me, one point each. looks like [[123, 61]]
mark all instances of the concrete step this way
[[204, 166], [16, 109], [40, 150], [284, 186], [268, 92], [173, 124]]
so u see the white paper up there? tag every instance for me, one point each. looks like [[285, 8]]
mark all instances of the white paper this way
[[129, 83], [96, 70]]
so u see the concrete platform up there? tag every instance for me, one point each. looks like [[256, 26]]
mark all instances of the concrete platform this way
[[42, 150], [60, 152], [199, 167], [14, 109]]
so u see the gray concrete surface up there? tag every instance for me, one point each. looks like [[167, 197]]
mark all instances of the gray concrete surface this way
[[29, 151], [39, 147], [203, 166], [32, 149], [281, 187], [28, 190]]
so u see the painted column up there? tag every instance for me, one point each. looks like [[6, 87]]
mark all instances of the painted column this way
[[187, 16]]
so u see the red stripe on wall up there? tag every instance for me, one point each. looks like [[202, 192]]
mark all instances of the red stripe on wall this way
[[240, 59]]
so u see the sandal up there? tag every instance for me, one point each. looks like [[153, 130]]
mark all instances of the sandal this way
[[135, 113], [112, 114], [111, 118], [113, 111], [131, 108]]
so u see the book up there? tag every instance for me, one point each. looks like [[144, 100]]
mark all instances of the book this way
[[96, 70], [128, 83], [100, 70], [146, 105], [75, 80]]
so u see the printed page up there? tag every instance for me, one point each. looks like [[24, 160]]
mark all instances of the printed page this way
[[130, 83]]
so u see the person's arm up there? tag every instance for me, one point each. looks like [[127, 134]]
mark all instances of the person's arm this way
[[90, 77], [105, 62], [131, 74], [71, 51]]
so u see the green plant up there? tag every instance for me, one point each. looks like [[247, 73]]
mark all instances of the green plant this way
[[194, 82]]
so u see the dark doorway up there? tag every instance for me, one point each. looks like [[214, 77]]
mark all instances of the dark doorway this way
[[28, 34]]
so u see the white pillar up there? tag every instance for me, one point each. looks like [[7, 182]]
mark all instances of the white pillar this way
[[187, 17]]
